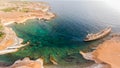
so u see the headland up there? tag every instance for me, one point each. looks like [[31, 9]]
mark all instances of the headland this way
[[19, 12], [106, 55]]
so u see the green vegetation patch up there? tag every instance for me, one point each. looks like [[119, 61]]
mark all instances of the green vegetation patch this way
[[9, 9], [24, 10], [2, 34]]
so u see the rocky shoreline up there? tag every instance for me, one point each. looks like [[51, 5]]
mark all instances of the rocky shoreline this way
[[106, 55], [11, 43], [26, 63], [19, 12]]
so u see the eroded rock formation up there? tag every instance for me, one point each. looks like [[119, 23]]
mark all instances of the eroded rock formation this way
[[27, 63], [107, 54]]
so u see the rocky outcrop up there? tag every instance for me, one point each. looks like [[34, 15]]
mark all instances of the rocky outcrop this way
[[107, 54], [27, 63], [10, 43], [87, 56], [99, 66], [19, 12], [53, 60]]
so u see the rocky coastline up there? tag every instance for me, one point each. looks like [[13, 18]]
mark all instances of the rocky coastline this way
[[22, 12], [19, 12], [106, 55], [26, 63]]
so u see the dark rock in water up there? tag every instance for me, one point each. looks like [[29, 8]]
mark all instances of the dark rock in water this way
[[2, 64], [69, 59]]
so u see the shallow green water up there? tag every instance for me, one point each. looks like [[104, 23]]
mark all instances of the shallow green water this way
[[47, 41]]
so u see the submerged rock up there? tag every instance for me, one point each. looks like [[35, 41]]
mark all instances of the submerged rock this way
[[53, 60]]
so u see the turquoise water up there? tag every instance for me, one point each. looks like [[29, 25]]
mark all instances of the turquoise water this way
[[49, 39], [62, 38], [57, 40]]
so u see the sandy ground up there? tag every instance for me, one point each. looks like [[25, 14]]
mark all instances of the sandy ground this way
[[8, 39], [6, 44], [21, 17], [36, 10], [106, 55], [10, 42], [108, 52]]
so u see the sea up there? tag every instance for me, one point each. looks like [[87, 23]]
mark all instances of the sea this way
[[62, 38]]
